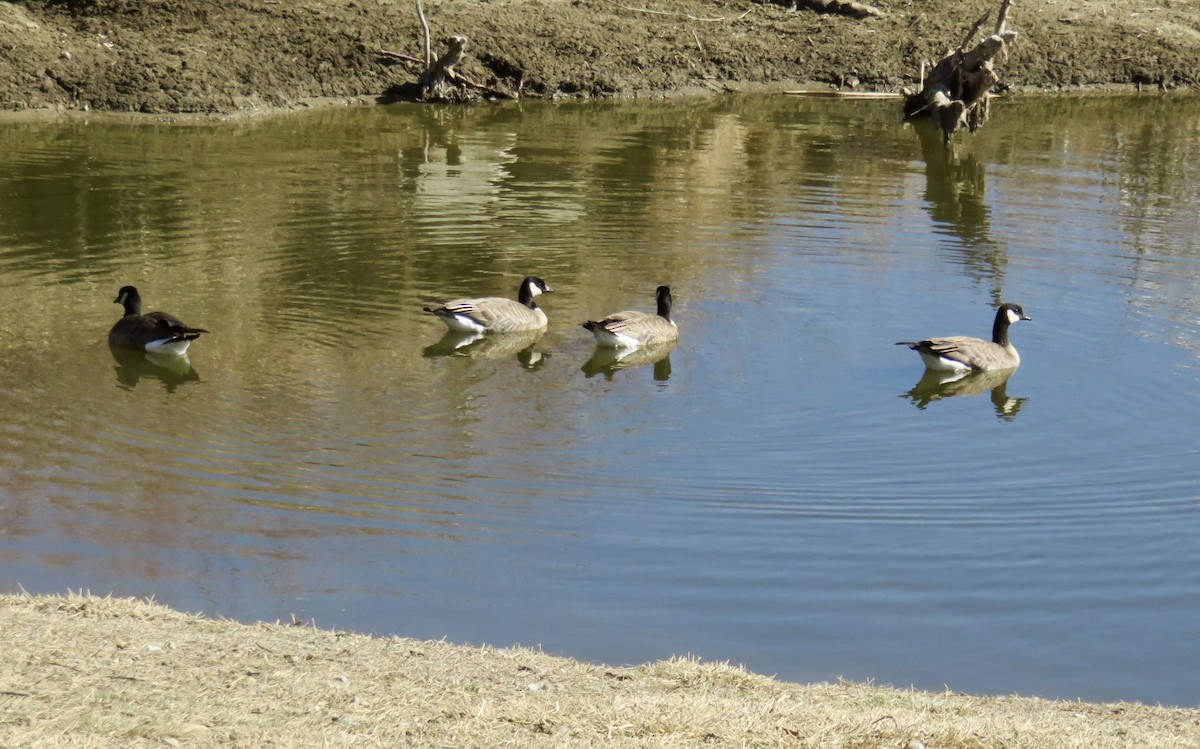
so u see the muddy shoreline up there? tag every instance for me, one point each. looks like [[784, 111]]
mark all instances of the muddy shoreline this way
[[249, 56]]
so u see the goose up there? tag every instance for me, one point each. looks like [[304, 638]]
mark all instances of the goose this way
[[632, 328], [495, 314], [964, 354], [156, 332]]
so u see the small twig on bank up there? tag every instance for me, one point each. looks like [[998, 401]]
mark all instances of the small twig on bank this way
[[1003, 17], [458, 77], [699, 46], [425, 29], [970, 34], [672, 13], [398, 56], [746, 13]]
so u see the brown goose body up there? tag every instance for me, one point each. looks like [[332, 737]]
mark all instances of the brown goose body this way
[[156, 332], [964, 353], [493, 313], [631, 328]]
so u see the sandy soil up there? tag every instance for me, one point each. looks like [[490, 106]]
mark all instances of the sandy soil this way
[[248, 55], [83, 671]]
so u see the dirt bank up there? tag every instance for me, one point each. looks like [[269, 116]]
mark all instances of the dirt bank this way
[[97, 672], [245, 55]]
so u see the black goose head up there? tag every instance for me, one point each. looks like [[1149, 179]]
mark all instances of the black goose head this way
[[129, 298], [531, 286], [1006, 315]]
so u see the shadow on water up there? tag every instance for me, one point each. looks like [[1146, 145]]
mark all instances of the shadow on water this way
[[956, 195], [134, 366], [935, 386], [608, 361], [955, 188], [491, 346]]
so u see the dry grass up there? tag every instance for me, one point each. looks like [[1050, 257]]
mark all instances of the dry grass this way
[[83, 671]]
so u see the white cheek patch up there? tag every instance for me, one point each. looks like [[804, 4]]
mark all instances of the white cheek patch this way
[[534, 289], [1013, 317]]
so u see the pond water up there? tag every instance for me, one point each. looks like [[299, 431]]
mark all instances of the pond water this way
[[780, 491]]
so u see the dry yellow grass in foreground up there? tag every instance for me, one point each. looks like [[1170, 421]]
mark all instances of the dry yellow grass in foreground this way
[[101, 672]]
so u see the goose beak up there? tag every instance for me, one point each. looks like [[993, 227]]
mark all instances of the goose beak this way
[[1026, 317]]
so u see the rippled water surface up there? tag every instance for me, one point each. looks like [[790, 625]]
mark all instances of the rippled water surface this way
[[781, 490]]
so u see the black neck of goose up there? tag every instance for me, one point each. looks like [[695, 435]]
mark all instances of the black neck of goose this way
[[132, 305], [1000, 328], [525, 296], [664, 306]]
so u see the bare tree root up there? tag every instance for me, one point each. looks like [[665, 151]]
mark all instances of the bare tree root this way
[[956, 92], [432, 82], [438, 81]]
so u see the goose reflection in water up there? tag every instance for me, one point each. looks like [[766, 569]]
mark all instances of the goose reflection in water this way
[[935, 386], [172, 370], [607, 360], [491, 346]]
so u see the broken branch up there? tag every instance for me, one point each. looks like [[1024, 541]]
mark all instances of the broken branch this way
[[672, 13]]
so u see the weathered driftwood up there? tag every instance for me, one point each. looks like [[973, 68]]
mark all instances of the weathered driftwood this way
[[956, 91], [439, 81], [434, 81], [851, 8], [826, 93]]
